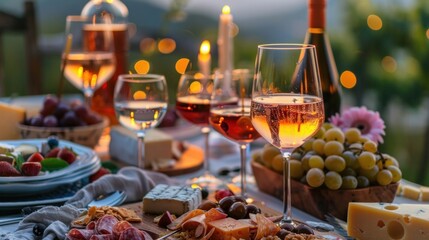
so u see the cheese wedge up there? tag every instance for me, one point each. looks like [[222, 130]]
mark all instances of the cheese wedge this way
[[10, 117], [388, 221], [175, 199]]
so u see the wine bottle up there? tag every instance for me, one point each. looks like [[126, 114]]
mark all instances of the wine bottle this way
[[317, 36], [102, 101]]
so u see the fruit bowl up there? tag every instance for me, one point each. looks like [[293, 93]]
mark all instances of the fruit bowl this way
[[88, 135], [320, 201]]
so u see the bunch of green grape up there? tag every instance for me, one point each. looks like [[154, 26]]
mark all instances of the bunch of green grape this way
[[336, 160]]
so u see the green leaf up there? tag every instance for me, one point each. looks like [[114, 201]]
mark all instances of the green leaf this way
[[19, 160], [53, 164]]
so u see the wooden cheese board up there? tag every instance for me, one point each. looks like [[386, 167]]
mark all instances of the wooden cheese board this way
[[148, 224]]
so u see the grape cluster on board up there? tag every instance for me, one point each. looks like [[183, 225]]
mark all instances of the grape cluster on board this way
[[336, 160], [55, 113]]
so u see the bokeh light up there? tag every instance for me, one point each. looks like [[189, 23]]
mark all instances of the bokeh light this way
[[142, 66], [389, 64], [182, 65], [427, 33], [348, 79], [374, 22], [147, 45], [166, 45], [139, 95]]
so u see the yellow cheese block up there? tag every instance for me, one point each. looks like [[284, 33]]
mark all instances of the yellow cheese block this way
[[388, 221], [10, 116], [228, 229]]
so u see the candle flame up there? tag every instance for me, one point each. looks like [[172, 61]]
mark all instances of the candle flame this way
[[205, 47], [226, 9]]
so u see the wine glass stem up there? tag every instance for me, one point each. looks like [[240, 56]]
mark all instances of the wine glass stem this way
[[287, 200], [206, 131], [140, 142], [243, 157], [88, 98]]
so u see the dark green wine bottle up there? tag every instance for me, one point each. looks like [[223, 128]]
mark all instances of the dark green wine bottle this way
[[317, 36]]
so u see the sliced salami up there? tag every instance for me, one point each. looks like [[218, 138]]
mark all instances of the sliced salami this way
[[132, 234], [102, 237], [91, 225], [105, 224], [119, 227], [80, 234]]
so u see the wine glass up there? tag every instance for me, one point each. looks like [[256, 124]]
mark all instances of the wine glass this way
[[140, 103], [89, 60], [230, 113], [193, 105], [287, 103]]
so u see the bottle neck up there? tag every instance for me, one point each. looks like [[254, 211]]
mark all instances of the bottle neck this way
[[316, 15]]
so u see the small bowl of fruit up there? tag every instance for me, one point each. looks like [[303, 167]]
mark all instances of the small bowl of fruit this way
[[71, 121]]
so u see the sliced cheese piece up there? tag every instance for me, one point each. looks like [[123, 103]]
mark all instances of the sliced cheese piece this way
[[411, 192], [228, 229], [388, 221], [10, 117], [424, 192], [123, 147], [175, 199]]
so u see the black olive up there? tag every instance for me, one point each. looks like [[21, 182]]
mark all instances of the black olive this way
[[237, 210], [226, 202], [287, 226], [304, 229], [250, 208]]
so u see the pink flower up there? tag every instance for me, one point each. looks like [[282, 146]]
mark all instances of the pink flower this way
[[368, 122]]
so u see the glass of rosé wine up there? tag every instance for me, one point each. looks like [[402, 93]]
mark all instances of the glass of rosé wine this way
[[140, 102], [88, 58], [287, 103], [193, 104], [230, 113]]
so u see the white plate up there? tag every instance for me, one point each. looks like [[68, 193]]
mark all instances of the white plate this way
[[25, 189], [55, 197], [86, 157]]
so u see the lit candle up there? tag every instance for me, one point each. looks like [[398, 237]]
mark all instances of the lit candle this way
[[224, 40], [204, 58]]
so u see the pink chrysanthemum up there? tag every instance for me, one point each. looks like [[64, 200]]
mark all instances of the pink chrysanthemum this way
[[368, 122]]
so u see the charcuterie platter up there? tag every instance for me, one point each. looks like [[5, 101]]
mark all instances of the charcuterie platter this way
[[209, 220]]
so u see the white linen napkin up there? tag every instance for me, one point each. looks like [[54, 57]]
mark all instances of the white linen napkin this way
[[133, 181]]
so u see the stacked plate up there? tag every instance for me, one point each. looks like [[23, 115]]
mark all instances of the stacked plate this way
[[50, 187]]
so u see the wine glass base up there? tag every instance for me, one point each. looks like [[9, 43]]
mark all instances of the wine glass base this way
[[207, 181]]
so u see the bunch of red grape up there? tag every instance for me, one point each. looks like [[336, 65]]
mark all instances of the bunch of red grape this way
[[55, 113]]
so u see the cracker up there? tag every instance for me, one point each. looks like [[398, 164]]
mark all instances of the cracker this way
[[94, 213]]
